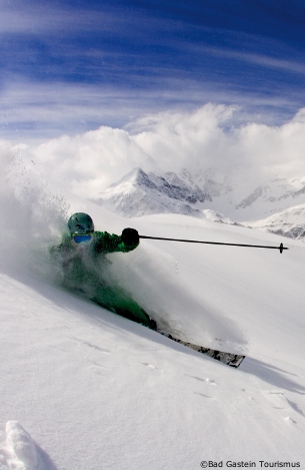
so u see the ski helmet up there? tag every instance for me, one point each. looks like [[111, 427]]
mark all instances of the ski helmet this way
[[80, 224]]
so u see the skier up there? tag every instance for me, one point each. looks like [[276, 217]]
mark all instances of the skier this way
[[81, 255], [81, 259]]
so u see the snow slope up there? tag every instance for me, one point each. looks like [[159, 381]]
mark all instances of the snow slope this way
[[82, 388]]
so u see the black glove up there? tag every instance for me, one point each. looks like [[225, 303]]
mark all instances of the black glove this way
[[130, 237]]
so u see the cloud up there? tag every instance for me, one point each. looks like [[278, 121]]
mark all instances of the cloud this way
[[67, 68], [175, 138], [266, 61], [39, 111], [41, 181], [208, 137], [212, 136], [43, 19]]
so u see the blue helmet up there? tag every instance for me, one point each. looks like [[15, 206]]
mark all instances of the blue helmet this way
[[80, 224]]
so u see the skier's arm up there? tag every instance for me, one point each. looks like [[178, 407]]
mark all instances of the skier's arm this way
[[106, 243]]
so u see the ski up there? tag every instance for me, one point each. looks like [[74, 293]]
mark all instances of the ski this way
[[232, 360]]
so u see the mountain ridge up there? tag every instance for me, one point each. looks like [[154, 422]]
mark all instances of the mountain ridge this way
[[277, 205]]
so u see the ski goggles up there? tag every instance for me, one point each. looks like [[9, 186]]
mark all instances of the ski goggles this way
[[81, 238]]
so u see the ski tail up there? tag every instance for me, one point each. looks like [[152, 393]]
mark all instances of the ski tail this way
[[232, 360]]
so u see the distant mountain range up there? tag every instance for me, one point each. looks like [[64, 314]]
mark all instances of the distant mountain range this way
[[278, 206], [289, 223]]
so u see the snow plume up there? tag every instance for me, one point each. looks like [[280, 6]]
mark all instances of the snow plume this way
[[248, 152], [31, 212], [152, 276]]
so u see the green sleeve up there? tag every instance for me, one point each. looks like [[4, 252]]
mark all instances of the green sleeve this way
[[103, 242]]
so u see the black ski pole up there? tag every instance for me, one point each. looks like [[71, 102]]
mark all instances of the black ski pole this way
[[268, 247]]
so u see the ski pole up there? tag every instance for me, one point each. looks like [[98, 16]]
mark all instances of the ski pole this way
[[268, 247]]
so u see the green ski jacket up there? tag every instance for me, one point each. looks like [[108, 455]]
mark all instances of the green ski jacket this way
[[81, 261], [83, 268]]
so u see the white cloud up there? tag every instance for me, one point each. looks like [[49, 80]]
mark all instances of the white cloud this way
[[205, 138], [40, 181], [262, 60], [44, 19]]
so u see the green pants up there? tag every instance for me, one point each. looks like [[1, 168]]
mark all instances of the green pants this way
[[116, 300]]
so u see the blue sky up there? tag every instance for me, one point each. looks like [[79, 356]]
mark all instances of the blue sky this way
[[72, 66]]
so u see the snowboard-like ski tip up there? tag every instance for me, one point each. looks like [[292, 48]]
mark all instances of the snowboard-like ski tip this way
[[232, 360]]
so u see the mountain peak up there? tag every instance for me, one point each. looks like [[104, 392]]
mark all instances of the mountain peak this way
[[140, 193]]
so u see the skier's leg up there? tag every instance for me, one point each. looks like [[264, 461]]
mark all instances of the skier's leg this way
[[116, 300]]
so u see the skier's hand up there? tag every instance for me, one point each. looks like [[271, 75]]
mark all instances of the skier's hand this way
[[130, 237]]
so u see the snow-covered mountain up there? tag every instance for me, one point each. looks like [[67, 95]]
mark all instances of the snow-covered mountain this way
[[140, 193], [268, 205], [289, 223]]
